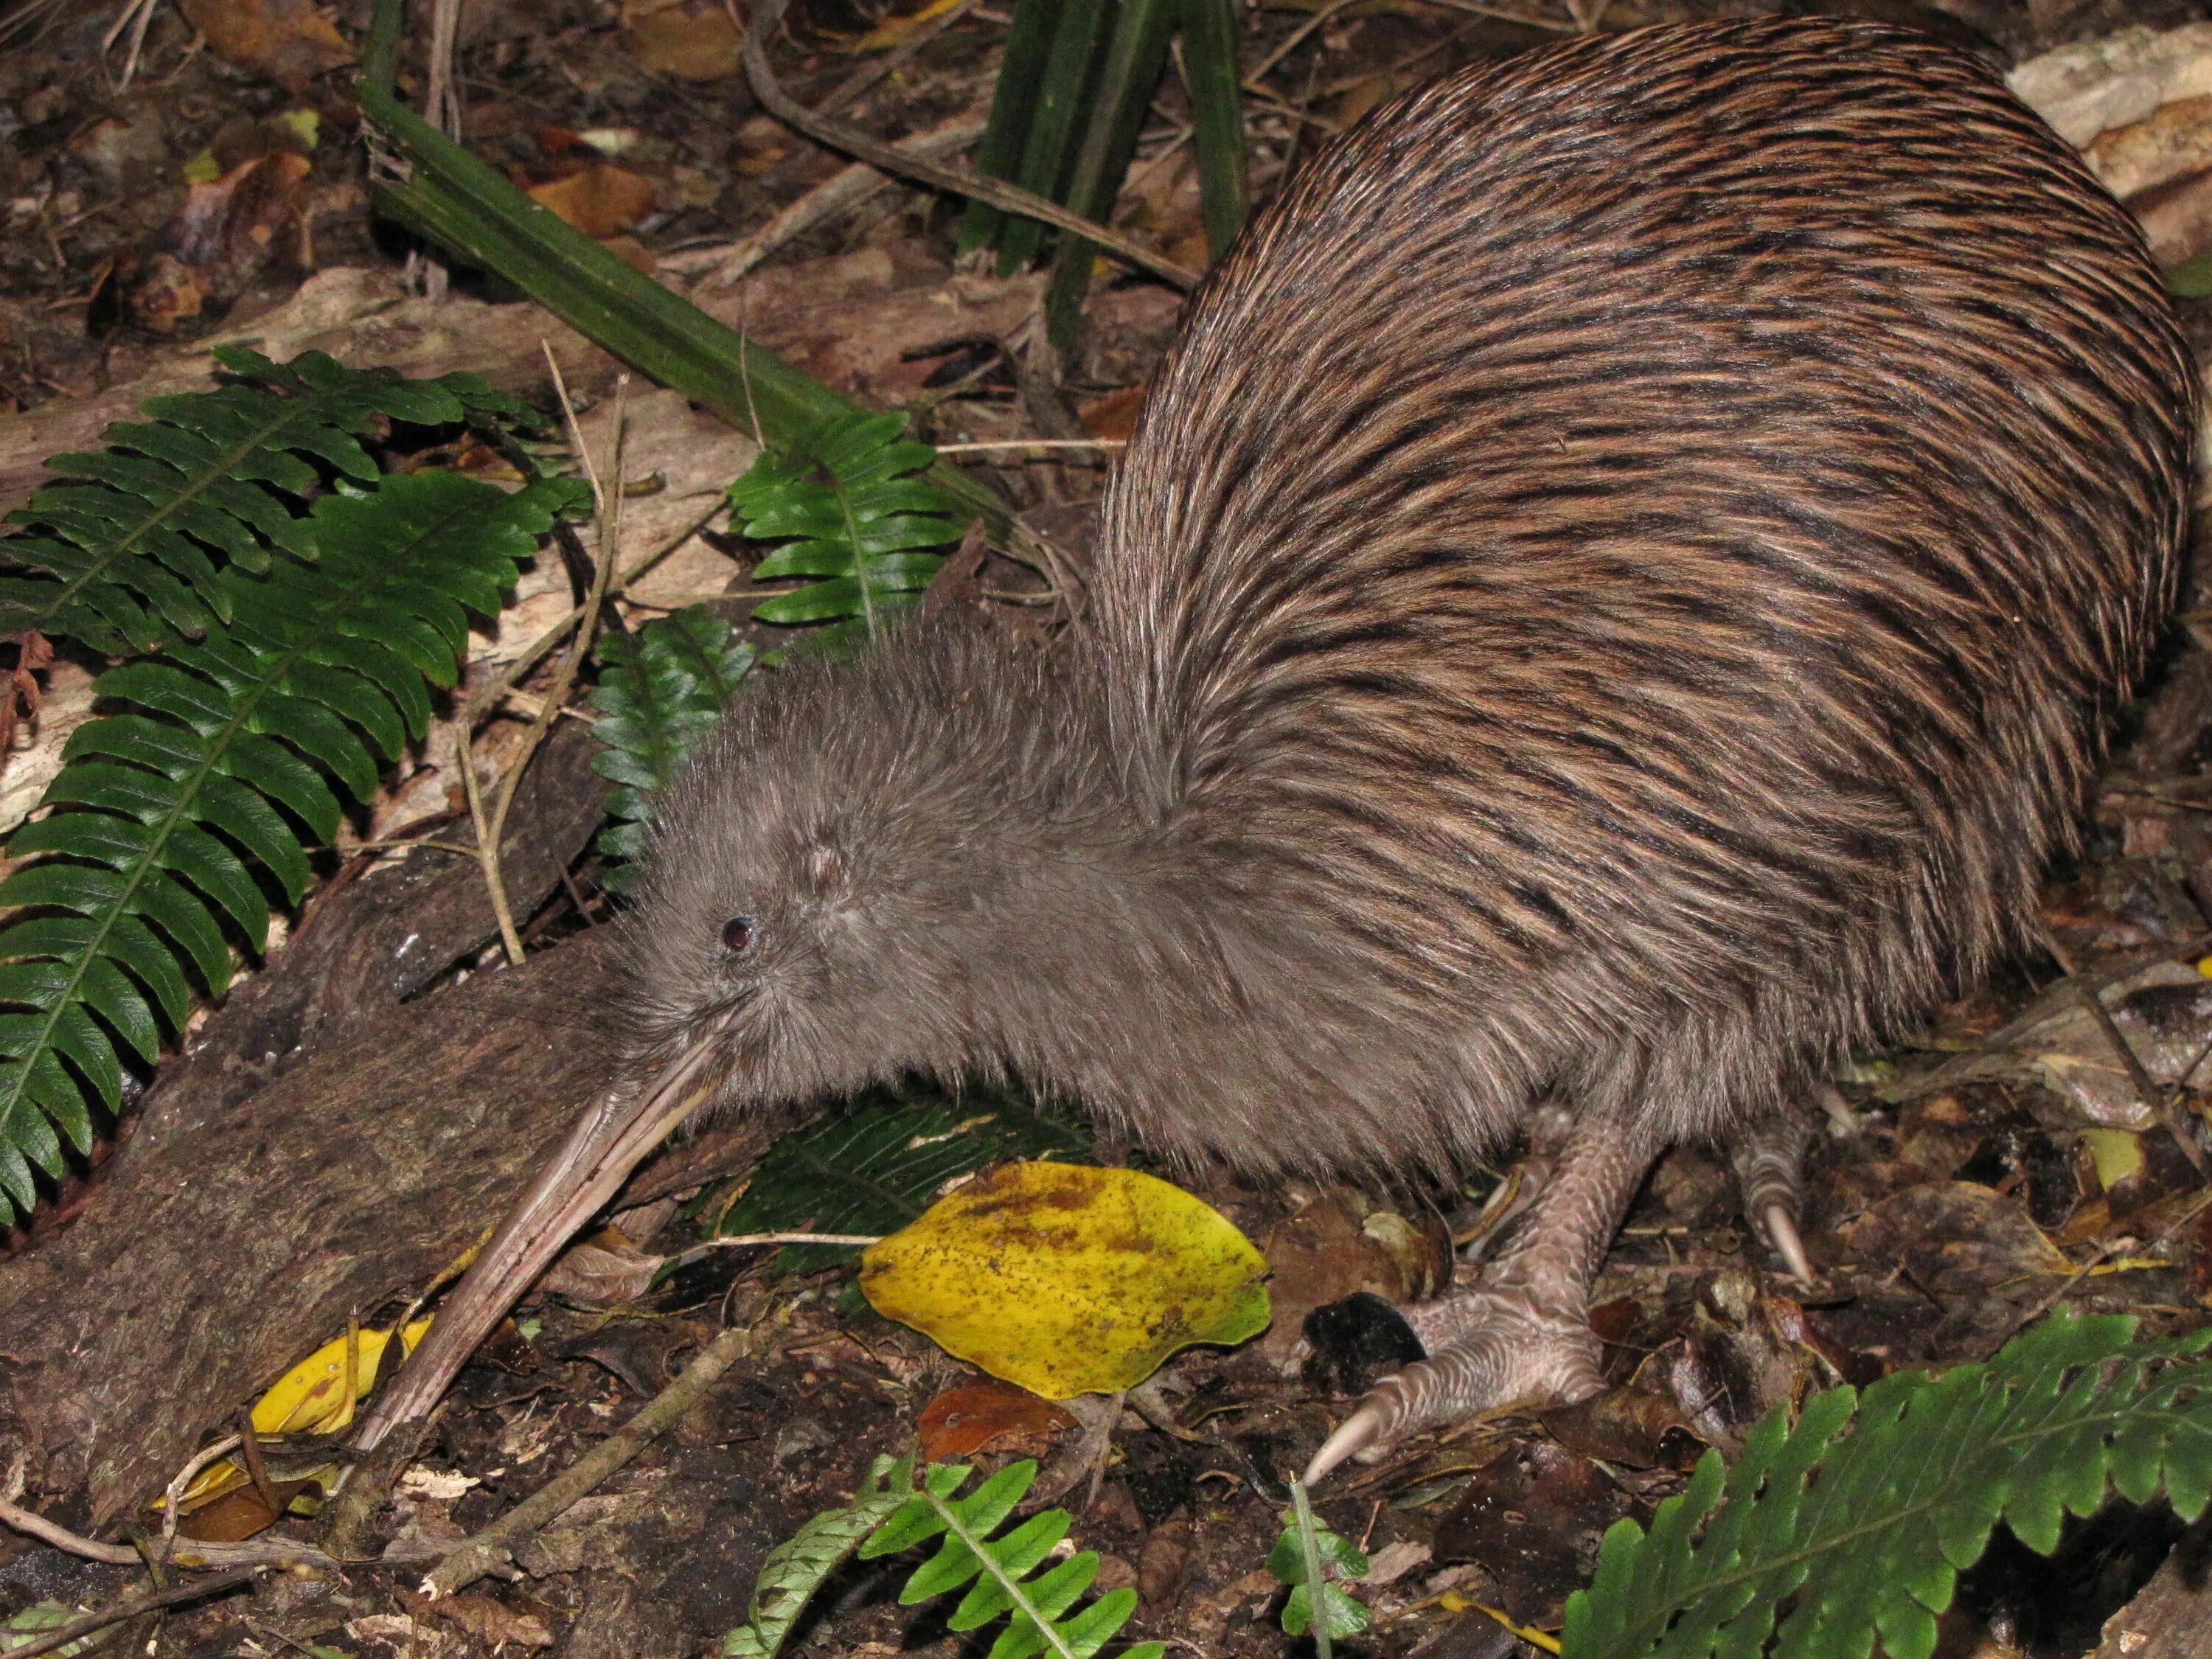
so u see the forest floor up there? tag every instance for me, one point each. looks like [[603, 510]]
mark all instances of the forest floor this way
[[2002, 1162]]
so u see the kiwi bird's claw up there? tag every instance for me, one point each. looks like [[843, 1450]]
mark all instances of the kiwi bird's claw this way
[[1368, 1425], [1768, 1160], [1777, 1222], [1511, 1349]]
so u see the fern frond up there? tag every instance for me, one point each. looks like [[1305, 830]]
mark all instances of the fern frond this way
[[859, 517], [660, 691], [997, 1570], [892, 1513], [128, 553], [792, 1571], [146, 871], [1863, 1512]]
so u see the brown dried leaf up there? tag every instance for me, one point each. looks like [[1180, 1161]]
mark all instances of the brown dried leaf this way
[[599, 201], [691, 40], [288, 41], [1327, 1251], [491, 1621], [596, 1276], [993, 1416], [1955, 1238], [237, 1515], [1628, 1426], [1532, 1519]]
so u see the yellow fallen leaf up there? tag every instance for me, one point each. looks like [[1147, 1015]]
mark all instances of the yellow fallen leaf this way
[[897, 30], [309, 1399], [2117, 1154], [1068, 1279]]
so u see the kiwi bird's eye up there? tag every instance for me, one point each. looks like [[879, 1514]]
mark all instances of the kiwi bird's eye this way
[[738, 934]]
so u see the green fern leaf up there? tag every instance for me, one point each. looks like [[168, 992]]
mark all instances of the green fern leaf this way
[[169, 815], [792, 1571], [1862, 1513], [853, 510], [660, 691], [999, 1568], [128, 551]]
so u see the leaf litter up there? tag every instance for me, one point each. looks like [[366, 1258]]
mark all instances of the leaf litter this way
[[1942, 1215]]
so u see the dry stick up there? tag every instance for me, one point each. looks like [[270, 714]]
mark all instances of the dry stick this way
[[2047, 1007], [609, 506], [277, 1552], [1291, 43], [850, 90], [988, 445], [257, 1467], [846, 189], [495, 690], [2074, 1279], [253, 1552], [172, 1499], [487, 850], [2157, 1101], [491, 827], [837, 135], [151, 1602], [1475, 9], [492, 1547]]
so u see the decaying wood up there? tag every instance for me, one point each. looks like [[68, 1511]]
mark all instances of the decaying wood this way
[[369, 943], [205, 1263], [2170, 1617]]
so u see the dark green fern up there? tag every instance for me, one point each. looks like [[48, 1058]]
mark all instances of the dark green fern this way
[[851, 505], [1859, 1516], [168, 817], [660, 691], [128, 552], [894, 1514]]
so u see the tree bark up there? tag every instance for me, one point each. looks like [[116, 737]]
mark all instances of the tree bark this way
[[205, 1264]]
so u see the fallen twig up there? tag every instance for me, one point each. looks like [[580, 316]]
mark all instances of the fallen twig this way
[[844, 190], [837, 135], [76, 1629], [493, 1547]]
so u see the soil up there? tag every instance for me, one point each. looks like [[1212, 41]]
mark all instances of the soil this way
[[1954, 1194]]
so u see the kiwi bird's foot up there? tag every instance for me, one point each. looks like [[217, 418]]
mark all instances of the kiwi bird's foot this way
[[1769, 1163], [1487, 1348]]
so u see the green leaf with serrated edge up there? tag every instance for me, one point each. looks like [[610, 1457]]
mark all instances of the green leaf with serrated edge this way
[[1346, 1616], [974, 1515], [1017, 1554], [165, 811], [1000, 1566], [661, 692], [855, 515], [132, 550], [1858, 1515], [869, 1167], [791, 1573]]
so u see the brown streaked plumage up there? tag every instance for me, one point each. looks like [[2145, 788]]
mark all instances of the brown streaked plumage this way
[[1615, 596]]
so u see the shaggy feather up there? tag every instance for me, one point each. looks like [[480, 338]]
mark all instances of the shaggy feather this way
[[1616, 594]]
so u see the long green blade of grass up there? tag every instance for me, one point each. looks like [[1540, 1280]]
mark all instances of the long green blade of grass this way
[[450, 197], [1013, 104], [1217, 113], [1133, 59], [1063, 102]]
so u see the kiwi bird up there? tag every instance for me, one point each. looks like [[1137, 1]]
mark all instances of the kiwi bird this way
[[1615, 596]]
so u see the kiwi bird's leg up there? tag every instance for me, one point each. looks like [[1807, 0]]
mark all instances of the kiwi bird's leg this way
[[1523, 1334], [1768, 1159], [612, 1138]]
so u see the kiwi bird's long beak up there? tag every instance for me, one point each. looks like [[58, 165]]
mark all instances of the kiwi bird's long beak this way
[[612, 1138]]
